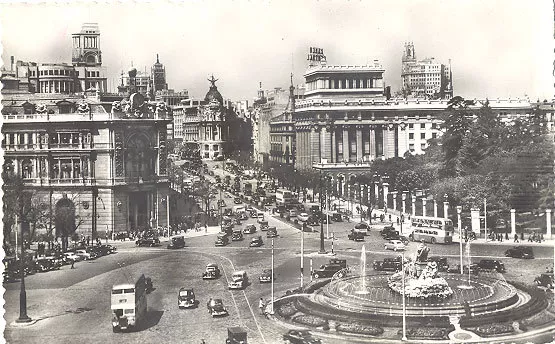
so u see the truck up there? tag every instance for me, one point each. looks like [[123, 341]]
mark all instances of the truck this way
[[128, 304]]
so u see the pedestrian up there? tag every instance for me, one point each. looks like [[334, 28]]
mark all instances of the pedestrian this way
[[261, 305], [522, 236], [72, 262], [389, 217], [507, 236], [516, 238]]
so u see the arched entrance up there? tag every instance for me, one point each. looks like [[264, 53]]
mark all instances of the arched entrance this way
[[64, 220]]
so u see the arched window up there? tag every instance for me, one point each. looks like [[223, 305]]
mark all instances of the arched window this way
[[27, 169]]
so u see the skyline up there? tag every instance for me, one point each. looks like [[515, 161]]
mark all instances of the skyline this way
[[265, 42]]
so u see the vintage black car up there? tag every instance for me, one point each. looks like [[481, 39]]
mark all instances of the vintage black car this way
[[222, 240], [186, 298], [266, 276], [212, 271], [524, 252], [237, 235], [148, 241], [236, 335], [272, 232], [263, 225], [355, 236], [256, 242], [338, 261], [300, 337], [491, 265], [176, 242], [388, 264], [545, 280], [326, 270], [250, 229], [216, 307]]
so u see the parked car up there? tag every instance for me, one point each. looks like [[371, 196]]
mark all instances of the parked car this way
[[491, 265], [292, 213], [148, 241], [83, 254], [266, 276], [441, 262], [71, 256], [216, 307], [395, 245], [303, 217], [250, 229], [237, 235], [545, 280], [239, 280], [388, 231], [326, 270], [272, 232], [338, 261], [212, 271], [300, 337], [388, 264], [186, 298], [256, 242], [45, 264], [524, 252], [356, 236]]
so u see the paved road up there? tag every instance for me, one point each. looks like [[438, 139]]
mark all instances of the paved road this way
[[74, 305]]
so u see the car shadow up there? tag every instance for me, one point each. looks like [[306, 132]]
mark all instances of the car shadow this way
[[152, 319]]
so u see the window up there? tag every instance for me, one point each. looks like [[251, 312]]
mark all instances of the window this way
[[411, 136], [56, 72], [411, 126], [206, 147], [434, 125], [422, 125], [411, 147], [434, 135], [216, 147], [422, 146], [423, 136]]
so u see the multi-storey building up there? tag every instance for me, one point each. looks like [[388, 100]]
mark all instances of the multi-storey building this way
[[86, 72], [142, 82], [171, 97], [425, 78], [158, 72]]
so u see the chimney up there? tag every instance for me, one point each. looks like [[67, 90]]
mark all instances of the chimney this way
[[12, 61]]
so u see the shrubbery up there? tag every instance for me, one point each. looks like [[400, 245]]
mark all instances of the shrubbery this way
[[287, 310], [310, 320], [359, 329], [426, 332], [493, 329]]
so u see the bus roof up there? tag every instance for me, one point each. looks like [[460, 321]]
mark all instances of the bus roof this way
[[430, 218], [123, 286]]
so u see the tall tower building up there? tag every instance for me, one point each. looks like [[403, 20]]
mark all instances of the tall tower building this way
[[158, 72], [86, 46]]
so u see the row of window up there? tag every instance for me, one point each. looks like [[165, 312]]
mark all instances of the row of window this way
[[422, 136], [67, 72], [92, 74]]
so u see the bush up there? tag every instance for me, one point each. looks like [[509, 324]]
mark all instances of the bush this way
[[287, 310], [426, 332], [359, 329], [493, 329], [310, 320]]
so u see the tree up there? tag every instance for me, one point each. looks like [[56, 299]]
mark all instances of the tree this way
[[456, 124]]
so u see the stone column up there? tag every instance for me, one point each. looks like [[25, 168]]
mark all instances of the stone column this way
[[404, 203], [402, 138], [333, 146], [372, 138], [394, 200], [413, 206], [359, 142], [513, 222], [346, 154], [385, 192], [315, 144], [325, 151], [548, 223], [435, 208], [445, 209], [475, 220], [376, 191], [424, 206]]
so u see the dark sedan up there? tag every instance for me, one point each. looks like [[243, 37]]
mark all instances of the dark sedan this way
[[520, 252], [300, 337]]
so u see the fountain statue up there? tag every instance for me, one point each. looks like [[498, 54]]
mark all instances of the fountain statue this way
[[421, 278]]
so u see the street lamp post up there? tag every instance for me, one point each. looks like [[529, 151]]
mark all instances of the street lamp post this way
[[322, 250], [404, 297], [23, 318], [272, 294], [302, 254], [459, 210]]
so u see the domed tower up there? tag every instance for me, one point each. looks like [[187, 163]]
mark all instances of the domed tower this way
[[213, 129]]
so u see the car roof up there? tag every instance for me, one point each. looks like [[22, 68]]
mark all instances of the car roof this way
[[212, 265], [185, 289]]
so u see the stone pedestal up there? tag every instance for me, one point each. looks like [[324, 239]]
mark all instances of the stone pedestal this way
[[424, 206], [435, 208], [413, 206], [445, 209], [548, 223], [385, 192], [395, 201], [475, 220]]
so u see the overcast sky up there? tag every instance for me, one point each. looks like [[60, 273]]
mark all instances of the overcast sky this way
[[498, 48]]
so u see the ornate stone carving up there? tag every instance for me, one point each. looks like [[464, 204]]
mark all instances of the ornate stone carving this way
[[390, 126], [162, 152], [83, 108], [41, 109], [402, 125], [118, 156]]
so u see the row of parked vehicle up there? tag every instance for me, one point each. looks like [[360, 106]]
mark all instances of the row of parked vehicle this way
[[54, 261]]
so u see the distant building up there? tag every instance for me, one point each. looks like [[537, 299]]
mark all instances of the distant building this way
[[425, 78], [171, 97], [158, 72], [142, 82], [85, 73]]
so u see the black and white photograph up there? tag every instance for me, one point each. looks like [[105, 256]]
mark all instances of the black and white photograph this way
[[302, 172]]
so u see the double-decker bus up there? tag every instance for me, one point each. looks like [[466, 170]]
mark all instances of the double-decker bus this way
[[284, 197], [431, 229], [128, 304]]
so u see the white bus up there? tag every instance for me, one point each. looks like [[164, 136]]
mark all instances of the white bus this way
[[284, 197], [128, 304], [431, 229]]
